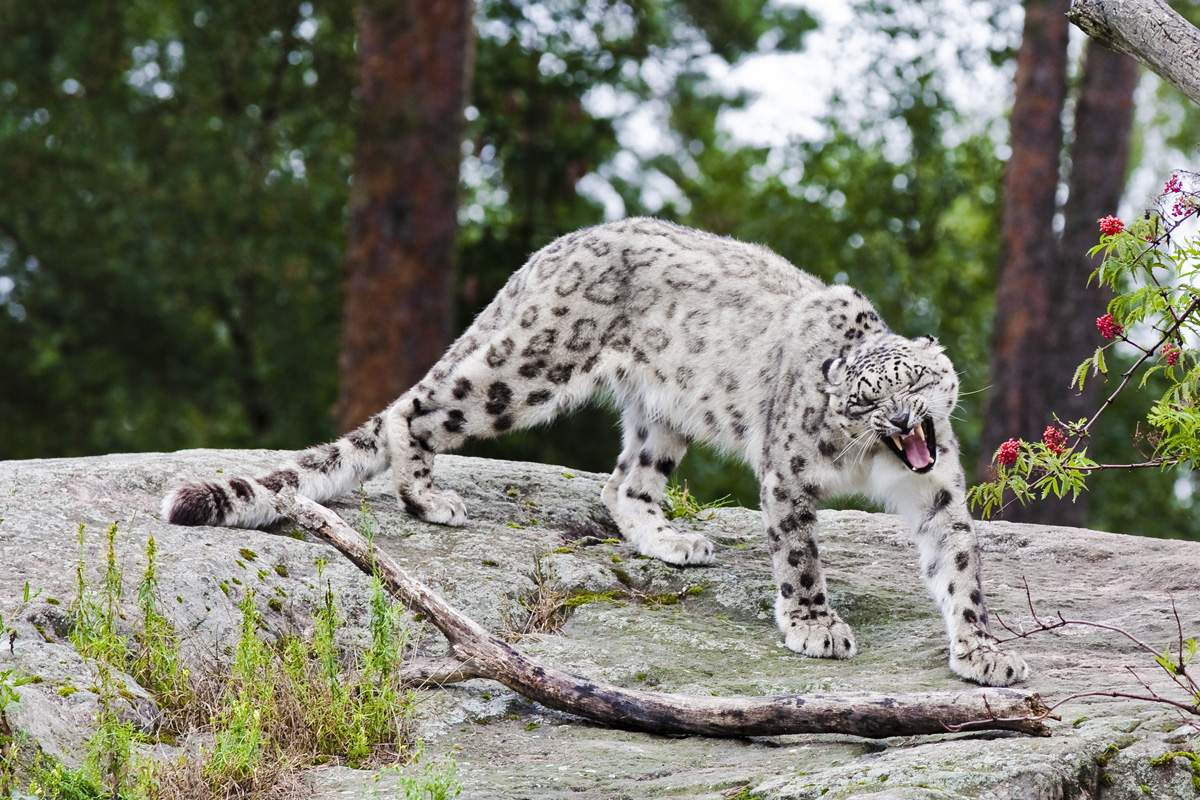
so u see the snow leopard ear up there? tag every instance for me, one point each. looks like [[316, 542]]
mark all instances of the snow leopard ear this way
[[834, 369], [930, 342]]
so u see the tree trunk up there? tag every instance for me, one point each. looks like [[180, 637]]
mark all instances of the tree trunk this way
[[1150, 31], [1099, 158], [414, 72], [484, 655], [1018, 403]]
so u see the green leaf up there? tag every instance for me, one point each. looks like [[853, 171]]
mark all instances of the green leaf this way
[[1081, 373]]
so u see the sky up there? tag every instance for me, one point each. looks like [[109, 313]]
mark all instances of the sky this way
[[793, 91], [794, 88]]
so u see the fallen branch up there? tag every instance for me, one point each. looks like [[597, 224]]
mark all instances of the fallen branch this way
[[481, 654], [422, 672], [1150, 31]]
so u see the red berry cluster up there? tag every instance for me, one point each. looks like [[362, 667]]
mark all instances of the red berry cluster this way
[[1171, 353], [1108, 327], [1007, 454], [1180, 209], [1111, 226], [1055, 439], [1173, 185]]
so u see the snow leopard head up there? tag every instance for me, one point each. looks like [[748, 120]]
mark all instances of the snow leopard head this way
[[890, 389]]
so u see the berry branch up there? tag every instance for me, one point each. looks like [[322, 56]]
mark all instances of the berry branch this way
[[1151, 264], [1171, 355]]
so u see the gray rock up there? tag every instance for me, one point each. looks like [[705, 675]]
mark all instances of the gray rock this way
[[720, 641]]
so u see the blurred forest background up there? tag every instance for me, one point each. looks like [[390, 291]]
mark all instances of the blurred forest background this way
[[209, 212]]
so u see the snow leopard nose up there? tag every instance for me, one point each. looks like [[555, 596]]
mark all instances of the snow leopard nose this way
[[900, 420]]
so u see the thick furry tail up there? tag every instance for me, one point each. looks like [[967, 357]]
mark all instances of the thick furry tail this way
[[318, 473]]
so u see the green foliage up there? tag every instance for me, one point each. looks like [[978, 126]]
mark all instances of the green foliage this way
[[96, 615], [678, 503], [96, 634], [159, 284], [1152, 265], [156, 664], [56, 781], [240, 743], [357, 711], [10, 681], [109, 748], [277, 708], [434, 781], [1037, 472], [1178, 666]]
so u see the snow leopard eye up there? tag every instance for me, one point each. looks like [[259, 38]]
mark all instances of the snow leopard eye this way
[[859, 408]]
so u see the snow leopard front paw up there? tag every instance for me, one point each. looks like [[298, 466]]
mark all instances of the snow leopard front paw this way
[[987, 664], [440, 506], [821, 637], [674, 547]]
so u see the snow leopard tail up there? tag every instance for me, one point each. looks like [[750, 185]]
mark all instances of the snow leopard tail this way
[[318, 473]]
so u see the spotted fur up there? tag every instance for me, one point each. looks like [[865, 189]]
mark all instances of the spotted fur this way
[[695, 337]]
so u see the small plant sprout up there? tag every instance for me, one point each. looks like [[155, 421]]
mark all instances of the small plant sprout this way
[[678, 503], [10, 681]]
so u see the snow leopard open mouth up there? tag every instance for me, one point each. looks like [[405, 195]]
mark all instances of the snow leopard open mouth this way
[[917, 448]]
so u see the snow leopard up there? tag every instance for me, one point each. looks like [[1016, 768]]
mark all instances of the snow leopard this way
[[695, 337]]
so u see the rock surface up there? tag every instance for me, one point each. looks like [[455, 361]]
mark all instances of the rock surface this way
[[719, 639]]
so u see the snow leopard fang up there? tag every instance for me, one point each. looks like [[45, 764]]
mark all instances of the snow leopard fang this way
[[917, 448]]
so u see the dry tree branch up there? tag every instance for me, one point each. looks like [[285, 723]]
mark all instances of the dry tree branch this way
[[1176, 670], [1149, 31], [484, 655]]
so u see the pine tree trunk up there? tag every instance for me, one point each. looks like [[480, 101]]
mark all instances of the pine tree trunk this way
[[1045, 311], [414, 72], [1018, 404], [1099, 158]]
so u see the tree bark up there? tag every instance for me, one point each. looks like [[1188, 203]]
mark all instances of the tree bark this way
[[414, 72], [484, 655], [1099, 160], [1150, 31], [1018, 403]]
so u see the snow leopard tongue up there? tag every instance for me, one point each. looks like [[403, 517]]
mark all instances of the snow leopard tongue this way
[[915, 450]]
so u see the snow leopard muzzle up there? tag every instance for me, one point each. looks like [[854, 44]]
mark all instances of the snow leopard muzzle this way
[[917, 448]]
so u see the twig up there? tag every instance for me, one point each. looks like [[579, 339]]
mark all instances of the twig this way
[[423, 672], [1176, 672], [1154, 462]]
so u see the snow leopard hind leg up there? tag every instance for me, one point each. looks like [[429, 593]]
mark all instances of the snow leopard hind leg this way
[[651, 451], [488, 392]]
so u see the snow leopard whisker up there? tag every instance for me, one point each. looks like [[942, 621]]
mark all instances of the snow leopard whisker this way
[[863, 439]]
